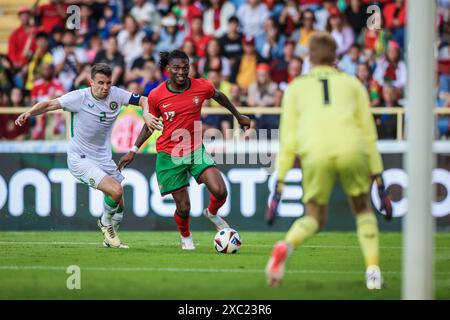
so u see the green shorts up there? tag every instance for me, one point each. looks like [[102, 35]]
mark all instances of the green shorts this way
[[173, 173]]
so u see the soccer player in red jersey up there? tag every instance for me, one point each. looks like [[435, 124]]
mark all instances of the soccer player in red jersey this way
[[180, 148]]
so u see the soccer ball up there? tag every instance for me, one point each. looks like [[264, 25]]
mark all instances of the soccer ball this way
[[227, 241]]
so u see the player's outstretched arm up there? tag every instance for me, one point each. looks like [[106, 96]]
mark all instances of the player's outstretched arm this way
[[129, 157], [37, 109], [151, 121], [223, 100]]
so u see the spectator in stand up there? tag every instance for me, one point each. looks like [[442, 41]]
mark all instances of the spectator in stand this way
[[309, 4], [185, 11], [214, 61], [170, 38], [95, 45], [8, 129], [51, 14], [148, 54], [48, 126], [21, 42], [289, 18], [375, 38], [146, 15], [304, 33], [130, 40], [189, 48], [391, 69], [55, 40], [275, 8], [83, 79], [216, 17], [68, 59], [279, 66], [245, 69], [221, 122], [88, 26], [163, 7], [357, 16], [387, 124], [109, 23], [6, 75], [395, 17], [112, 57], [252, 16], [443, 101], [133, 86], [151, 77], [39, 57], [340, 31], [322, 14], [294, 69], [231, 43], [200, 39], [270, 43], [350, 61], [364, 74], [262, 93]]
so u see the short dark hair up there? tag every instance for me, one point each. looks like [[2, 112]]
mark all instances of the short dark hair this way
[[101, 68], [166, 57], [42, 34], [233, 19]]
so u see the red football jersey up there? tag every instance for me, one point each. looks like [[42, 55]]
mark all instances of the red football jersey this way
[[181, 115]]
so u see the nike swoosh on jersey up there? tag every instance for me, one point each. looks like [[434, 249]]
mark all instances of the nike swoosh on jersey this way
[[166, 105]]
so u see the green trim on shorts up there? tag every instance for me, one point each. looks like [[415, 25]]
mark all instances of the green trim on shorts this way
[[71, 124], [173, 173]]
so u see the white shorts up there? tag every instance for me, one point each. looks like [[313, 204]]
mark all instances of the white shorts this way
[[91, 172]]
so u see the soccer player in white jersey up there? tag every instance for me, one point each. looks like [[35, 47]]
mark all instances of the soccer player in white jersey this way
[[89, 158]]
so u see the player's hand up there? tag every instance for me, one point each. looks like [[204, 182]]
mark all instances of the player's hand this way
[[244, 121], [272, 208], [22, 119], [152, 122], [125, 160], [385, 199]]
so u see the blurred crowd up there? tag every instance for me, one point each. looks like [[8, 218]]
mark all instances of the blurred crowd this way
[[249, 49]]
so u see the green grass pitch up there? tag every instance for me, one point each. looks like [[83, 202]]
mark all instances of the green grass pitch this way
[[329, 266]]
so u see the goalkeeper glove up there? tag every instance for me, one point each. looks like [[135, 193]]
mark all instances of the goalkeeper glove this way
[[272, 208], [385, 200]]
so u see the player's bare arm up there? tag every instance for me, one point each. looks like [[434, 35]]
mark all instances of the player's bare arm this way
[[126, 159], [151, 121], [223, 100], [37, 109]]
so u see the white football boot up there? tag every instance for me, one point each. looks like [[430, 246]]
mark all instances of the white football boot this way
[[187, 243], [217, 221], [110, 235], [115, 224], [374, 280]]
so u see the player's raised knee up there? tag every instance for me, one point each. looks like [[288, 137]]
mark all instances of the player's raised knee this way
[[116, 192], [220, 193]]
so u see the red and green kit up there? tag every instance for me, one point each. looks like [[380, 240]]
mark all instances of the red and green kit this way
[[180, 147]]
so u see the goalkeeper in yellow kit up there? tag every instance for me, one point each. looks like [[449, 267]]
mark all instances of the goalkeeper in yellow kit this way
[[326, 121]]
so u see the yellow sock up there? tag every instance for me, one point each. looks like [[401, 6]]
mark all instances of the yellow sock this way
[[301, 230], [367, 230]]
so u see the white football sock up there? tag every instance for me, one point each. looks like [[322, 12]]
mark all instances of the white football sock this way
[[108, 212]]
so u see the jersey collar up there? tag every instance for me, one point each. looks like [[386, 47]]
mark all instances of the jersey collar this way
[[178, 92]]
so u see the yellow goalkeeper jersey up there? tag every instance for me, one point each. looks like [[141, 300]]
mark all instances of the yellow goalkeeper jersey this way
[[326, 113]]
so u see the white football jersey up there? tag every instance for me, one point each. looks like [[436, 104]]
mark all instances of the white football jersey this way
[[92, 121]]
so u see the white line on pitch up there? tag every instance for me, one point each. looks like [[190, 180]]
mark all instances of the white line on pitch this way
[[153, 244], [189, 270]]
